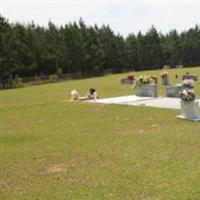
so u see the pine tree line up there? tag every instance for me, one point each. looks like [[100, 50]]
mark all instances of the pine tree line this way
[[27, 50]]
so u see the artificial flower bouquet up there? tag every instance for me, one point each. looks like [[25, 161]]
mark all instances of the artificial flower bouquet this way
[[144, 80], [188, 83], [187, 94], [164, 73], [130, 77]]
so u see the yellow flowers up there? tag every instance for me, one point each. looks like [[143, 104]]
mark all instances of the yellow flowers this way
[[144, 79]]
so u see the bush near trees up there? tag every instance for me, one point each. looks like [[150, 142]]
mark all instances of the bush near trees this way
[[27, 50]]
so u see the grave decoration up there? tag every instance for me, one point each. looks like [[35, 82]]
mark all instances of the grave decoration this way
[[164, 77], [128, 80], [176, 90], [187, 95], [173, 90], [188, 83], [145, 86], [189, 106], [190, 76]]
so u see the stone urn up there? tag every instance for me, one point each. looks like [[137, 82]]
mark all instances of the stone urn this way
[[146, 90], [190, 110]]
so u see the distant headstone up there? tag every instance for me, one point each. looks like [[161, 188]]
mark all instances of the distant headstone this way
[[179, 66], [173, 91], [146, 90]]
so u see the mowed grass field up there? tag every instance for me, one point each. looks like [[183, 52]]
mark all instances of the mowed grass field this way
[[52, 149]]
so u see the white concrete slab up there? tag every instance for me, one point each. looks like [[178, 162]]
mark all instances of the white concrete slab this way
[[182, 117], [122, 99], [159, 102]]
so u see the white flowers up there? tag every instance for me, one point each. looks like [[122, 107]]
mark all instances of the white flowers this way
[[74, 95], [188, 93], [188, 83]]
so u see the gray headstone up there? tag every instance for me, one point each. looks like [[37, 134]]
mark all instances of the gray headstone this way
[[173, 91], [190, 110], [146, 90]]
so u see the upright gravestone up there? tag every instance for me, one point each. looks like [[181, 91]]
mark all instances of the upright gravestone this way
[[189, 106], [146, 90], [173, 91], [145, 86], [190, 110]]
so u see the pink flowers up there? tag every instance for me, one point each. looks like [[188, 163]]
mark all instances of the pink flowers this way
[[187, 95], [188, 83], [164, 73]]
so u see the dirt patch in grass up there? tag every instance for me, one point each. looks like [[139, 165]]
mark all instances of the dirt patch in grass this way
[[127, 131], [139, 129], [6, 185], [57, 168], [133, 130], [53, 169], [100, 108]]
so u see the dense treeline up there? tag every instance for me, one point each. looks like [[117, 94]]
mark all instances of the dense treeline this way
[[27, 50]]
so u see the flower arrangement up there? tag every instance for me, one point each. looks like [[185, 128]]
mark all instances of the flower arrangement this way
[[144, 79], [187, 95], [188, 83], [164, 73], [129, 79]]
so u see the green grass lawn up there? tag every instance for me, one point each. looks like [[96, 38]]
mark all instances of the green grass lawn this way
[[57, 150]]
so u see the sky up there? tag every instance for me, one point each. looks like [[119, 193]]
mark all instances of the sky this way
[[123, 16]]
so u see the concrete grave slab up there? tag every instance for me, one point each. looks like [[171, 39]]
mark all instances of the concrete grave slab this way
[[159, 102]]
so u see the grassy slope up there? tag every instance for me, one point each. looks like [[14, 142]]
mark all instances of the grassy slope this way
[[51, 149]]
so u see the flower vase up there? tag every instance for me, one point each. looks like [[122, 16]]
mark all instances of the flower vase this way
[[190, 110]]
